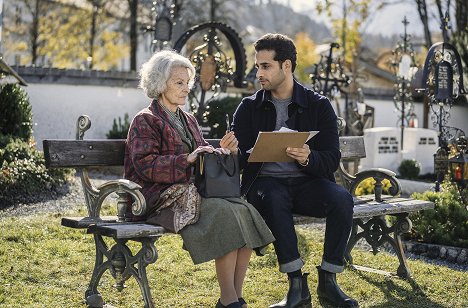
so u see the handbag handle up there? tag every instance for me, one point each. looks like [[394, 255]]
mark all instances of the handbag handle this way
[[221, 161]]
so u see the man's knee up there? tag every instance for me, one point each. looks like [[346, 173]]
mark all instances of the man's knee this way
[[342, 201]]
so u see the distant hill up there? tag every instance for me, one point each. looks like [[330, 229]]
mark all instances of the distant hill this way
[[262, 18], [253, 18]]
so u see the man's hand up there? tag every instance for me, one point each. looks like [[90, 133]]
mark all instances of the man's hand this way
[[299, 154], [229, 141]]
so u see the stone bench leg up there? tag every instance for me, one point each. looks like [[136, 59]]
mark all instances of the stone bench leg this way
[[376, 231], [121, 264]]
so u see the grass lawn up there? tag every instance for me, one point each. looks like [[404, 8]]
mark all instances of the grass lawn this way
[[43, 264]]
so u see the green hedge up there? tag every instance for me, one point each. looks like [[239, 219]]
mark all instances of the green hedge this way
[[447, 223]]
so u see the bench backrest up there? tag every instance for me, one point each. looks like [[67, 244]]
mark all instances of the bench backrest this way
[[110, 152]]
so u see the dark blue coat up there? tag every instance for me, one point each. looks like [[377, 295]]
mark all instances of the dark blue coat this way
[[308, 111]]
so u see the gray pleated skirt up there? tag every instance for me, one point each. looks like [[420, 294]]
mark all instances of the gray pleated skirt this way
[[225, 225]]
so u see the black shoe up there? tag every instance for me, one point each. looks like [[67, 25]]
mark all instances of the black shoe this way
[[231, 305], [329, 290], [242, 302], [298, 294]]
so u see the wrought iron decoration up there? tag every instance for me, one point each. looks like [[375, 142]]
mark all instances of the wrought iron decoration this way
[[403, 64], [214, 67], [443, 83]]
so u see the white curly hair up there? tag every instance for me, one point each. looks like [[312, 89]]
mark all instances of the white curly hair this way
[[155, 72]]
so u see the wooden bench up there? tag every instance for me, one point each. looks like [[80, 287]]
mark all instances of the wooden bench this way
[[369, 212]]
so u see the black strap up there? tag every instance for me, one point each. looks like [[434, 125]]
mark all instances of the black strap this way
[[222, 161]]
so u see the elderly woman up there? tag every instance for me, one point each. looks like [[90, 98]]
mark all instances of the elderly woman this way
[[162, 147]]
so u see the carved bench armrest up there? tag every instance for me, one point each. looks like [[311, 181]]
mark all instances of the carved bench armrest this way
[[378, 174], [124, 188], [95, 196]]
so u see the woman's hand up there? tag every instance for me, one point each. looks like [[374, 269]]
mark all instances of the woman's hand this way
[[301, 155], [229, 141], [192, 157]]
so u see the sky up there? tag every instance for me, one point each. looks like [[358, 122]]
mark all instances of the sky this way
[[387, 21]]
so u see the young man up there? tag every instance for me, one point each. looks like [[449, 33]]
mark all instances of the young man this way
[[305, 186]]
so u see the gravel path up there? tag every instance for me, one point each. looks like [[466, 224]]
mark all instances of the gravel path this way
[[67, 198], [70, 198]]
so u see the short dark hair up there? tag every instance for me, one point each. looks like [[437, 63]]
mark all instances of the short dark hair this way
[[281, 44]]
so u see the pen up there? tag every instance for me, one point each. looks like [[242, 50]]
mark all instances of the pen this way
[[228, 125]]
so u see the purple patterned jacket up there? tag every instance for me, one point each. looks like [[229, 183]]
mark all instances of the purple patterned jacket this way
[[154, 155]]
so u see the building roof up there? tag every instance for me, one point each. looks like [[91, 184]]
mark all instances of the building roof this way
[[8, 75]]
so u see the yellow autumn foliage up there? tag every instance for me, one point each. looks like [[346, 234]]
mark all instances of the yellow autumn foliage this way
[[367, 187]]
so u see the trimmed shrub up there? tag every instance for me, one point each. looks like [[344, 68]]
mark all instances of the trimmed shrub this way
[[16, 114], [447, 223], [23, 174], [119, 130], [409, 169]]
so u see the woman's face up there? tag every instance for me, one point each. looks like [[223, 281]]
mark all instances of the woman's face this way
[[177, 88]]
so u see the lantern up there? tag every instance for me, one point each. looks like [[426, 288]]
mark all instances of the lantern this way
[[459, 163]]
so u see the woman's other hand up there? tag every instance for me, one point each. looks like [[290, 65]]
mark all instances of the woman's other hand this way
[[192, 157], [229, 141]]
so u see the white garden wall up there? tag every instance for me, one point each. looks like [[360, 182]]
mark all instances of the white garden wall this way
[[57, 107]]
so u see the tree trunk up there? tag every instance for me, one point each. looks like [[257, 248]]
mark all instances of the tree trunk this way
[[35, 32], [133, 6], [422, 10]]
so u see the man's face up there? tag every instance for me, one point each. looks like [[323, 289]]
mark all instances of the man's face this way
[[270, 74]]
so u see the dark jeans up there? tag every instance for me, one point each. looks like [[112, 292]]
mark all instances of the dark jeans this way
[[278, 198]]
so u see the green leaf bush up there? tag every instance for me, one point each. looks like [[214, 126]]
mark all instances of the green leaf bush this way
[[447, 223]]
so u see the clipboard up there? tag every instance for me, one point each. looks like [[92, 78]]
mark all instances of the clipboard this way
[[271, 146]]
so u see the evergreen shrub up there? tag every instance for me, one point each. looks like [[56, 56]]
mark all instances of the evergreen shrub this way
[[119, 130], [409, 169], [23, 173], [447, 223], [16, 112]]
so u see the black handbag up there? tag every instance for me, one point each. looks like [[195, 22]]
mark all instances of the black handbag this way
[[217, 175]]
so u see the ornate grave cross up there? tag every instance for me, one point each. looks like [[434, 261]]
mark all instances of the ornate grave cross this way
[[403, 65]]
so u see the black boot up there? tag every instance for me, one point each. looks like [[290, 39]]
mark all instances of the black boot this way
[[298, 294], [231, 305], [329, 290]]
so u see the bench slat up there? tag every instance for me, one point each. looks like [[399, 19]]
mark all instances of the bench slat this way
[[127, 230], [85, 222], [400, 205], [110, 152], [84, 153], [365, 207]]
